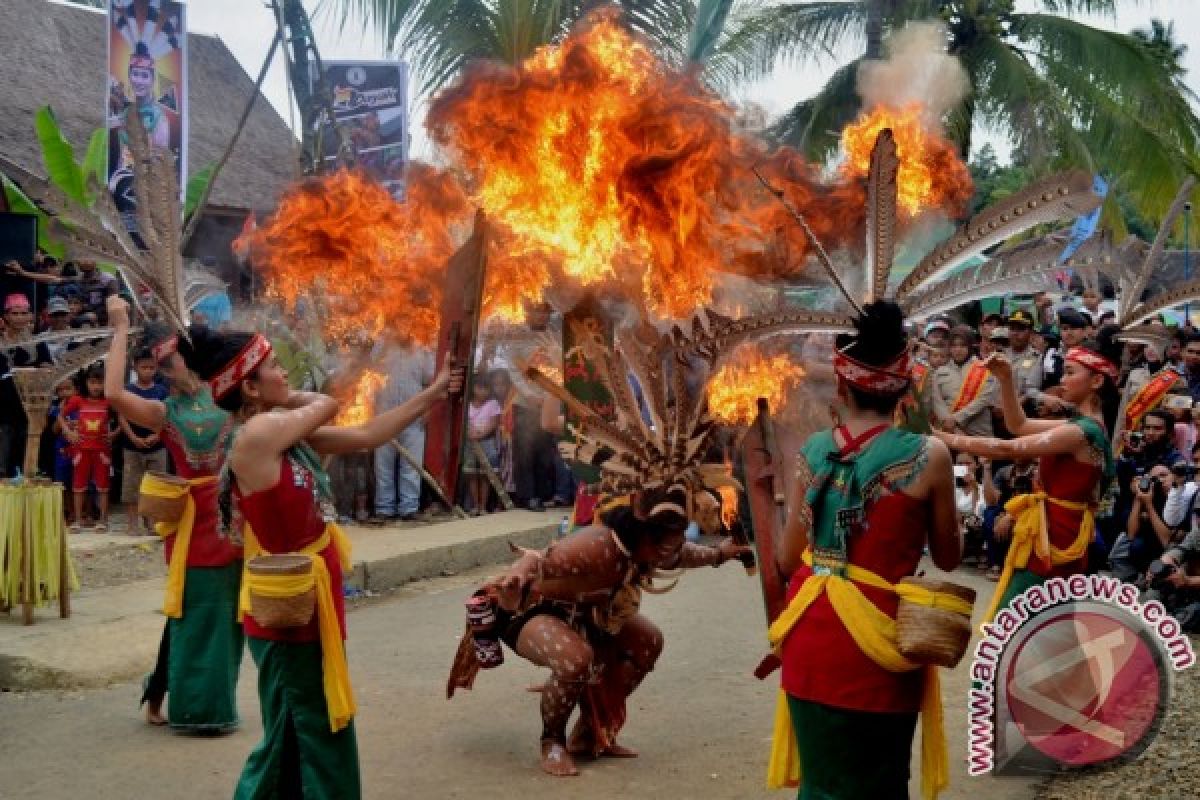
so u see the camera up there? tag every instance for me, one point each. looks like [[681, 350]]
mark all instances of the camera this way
[[1136, 438], [1159, 572], [1145, 482]]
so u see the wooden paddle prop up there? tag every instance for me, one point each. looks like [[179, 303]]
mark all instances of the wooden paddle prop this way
[[462, 297], [765, 492]]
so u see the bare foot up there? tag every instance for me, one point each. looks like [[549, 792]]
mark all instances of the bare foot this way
[[154, 715], [556, 760], [615, 750], [582, 741]]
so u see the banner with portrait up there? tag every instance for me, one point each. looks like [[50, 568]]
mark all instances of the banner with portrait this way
[[147, 75], [370, 103]]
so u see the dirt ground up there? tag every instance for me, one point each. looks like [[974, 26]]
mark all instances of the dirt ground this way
[[701, 721]]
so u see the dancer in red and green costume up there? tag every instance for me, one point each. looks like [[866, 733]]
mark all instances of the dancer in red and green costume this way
[[1054, 525], [201, 649], [868, 499], [275, 482]]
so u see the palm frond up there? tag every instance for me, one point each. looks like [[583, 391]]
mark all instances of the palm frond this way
[[814, 126]]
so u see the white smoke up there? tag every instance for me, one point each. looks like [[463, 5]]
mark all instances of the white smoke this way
[[916, 69]]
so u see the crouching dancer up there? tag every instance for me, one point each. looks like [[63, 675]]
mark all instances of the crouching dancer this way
[[574, 609]]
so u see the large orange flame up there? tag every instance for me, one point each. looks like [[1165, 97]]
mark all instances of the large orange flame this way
[[931, 173], [597, 165], [734, 390], [358, 405]]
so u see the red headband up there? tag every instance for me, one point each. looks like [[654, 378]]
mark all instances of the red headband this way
[[166, 347], [137, 60], [1095, 362], [252, 355], [889, 379]]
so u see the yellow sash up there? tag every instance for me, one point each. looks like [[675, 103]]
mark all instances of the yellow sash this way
[[875, 634], [181, 530], [972, 385], [1031, 534], [339, 695]]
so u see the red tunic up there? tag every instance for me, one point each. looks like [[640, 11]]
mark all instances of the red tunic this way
[[1065, 477], [90, 415], [286, 518], [208, 548], [821, 662]]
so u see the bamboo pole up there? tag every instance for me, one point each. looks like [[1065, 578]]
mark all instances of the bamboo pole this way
[[492, 477], [431, 481]]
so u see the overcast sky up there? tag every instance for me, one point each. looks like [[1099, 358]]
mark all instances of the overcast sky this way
[[246, 27]]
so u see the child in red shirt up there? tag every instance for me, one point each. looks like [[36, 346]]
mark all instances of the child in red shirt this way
[[88, 429]]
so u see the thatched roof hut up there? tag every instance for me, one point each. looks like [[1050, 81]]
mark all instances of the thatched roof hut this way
[[55, 54]]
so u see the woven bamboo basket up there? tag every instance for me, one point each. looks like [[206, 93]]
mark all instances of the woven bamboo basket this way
[[282, 612], [162, 509], [934, 635]]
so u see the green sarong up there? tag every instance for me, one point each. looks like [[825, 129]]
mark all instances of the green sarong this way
[[299, 756], [206, 652], [852, 755], [1021, 580]]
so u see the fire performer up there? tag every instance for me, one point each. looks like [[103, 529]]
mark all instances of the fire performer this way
[[204, 565], [1055, 525], [857, 528], [574, 607], [274, 479]]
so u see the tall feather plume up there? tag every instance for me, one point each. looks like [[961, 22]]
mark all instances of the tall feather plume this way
[[1133, 294], [1027, 271], [614, 374], [713, 334], [648, 371], [1058, 197], [881, 216], [1156, 335]]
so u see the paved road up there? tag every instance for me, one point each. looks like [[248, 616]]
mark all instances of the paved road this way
[[700, 721]]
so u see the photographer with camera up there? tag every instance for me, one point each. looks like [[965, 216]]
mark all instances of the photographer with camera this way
[[1150, 445], [1174, 579], [1146, 534]]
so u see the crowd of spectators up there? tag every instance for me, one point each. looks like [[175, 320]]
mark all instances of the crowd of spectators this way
[[1147, 532]]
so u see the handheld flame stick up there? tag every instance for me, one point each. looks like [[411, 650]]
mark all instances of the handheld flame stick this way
[[818, 248]]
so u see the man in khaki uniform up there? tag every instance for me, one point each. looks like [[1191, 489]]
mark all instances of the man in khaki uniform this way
[[1026, 362], [963, 390]]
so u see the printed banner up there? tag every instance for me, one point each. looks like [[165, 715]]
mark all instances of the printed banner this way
[[147, 72], [370, 102]]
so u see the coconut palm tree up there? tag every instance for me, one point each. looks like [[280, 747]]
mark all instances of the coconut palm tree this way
[[439, 37], [1062, 92]]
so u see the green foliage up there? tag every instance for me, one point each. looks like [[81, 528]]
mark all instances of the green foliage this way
[[20, 203], [196, 186], [59, 157]]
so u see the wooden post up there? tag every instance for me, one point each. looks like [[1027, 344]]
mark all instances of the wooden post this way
[[27, 587]]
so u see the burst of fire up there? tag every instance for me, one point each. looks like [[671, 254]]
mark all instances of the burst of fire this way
[[597, 165], [931, 173], [734, 390], [359, 404], [729, 505]]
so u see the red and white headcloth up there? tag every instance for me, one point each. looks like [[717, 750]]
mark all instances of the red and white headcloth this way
[[167, 347], [1095, 362], [256, 351], [889, 379]]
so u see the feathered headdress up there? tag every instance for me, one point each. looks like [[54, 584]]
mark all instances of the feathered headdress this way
[[100, 232]]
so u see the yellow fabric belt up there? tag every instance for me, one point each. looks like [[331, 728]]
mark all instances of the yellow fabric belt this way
[[1031, 534], [875, 634], [181, 530], [339, 695]]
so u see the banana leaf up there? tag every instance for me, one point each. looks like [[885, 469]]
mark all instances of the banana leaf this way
[[59, 157], [196, 186], [21, 204]]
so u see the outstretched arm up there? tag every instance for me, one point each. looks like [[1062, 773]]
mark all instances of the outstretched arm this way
[[142, 411], [1063, 437], [377, 431], [266, 437]]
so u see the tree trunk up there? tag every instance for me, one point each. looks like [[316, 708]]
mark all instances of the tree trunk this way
[[874, 29]]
